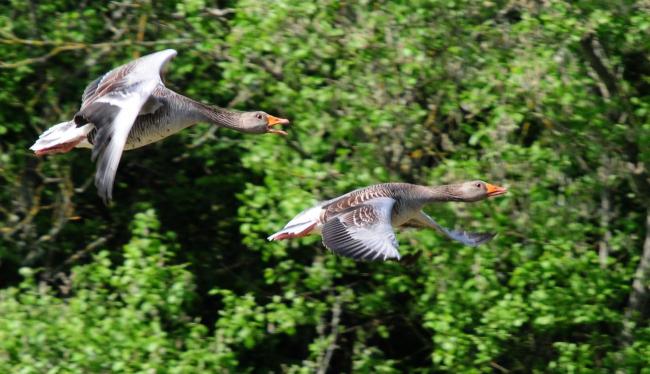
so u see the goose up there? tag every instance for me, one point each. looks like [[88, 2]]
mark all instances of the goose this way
[[359, 224], [130, 107]]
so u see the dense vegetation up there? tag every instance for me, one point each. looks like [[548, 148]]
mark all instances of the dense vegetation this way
[[551, 99]]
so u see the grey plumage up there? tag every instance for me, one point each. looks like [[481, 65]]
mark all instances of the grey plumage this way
[[359, 224], [130, 107], [363, 232]]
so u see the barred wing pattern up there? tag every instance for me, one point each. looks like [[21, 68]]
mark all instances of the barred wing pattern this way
[[363, 232]]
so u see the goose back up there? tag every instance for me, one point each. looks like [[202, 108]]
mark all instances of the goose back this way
[[409, 198], [165, 113]]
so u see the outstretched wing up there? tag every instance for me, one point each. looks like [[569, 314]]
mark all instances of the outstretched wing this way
[[468, 238], [91, 88], [363, 232], [359, 196], [112, 103]]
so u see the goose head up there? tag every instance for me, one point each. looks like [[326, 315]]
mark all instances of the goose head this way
[[260, 122], [477, 190]]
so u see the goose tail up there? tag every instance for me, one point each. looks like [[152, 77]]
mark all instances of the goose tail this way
[[60, 138], [302, 225]]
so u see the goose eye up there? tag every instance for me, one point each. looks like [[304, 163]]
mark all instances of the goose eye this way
[[258, 116], [479, 185]]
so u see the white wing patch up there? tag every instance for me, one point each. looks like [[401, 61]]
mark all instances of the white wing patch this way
[[111, 104], [111, 138]]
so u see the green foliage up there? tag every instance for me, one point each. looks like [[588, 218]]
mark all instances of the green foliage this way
[[551, 99], [107, 317]]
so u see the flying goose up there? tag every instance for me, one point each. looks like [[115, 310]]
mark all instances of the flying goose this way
[[360, 223], [130, 107]]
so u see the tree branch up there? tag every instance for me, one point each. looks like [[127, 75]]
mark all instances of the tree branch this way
[[605, 212], [640, 295], [588, 45], [49, 275], [604, 246], [67, 46], [334, 333]]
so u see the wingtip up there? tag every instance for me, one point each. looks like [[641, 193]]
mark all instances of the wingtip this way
[[104, 192], [488, 236], [106, 199], [169, 53], [482, 238], [389, 257]]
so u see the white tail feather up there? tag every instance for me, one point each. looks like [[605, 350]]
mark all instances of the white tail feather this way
[[300, 225], [64, 132]]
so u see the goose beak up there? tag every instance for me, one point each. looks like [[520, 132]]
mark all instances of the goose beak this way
[[493, 190], [273, 121]]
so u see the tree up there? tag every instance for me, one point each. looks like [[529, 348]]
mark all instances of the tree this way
[[550, 99]]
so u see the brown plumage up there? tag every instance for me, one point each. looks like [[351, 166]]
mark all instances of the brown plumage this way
[[130, 107], [360, 223]]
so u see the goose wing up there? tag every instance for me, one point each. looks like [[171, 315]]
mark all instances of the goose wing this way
[[363, 232], [471, 239], [112, 103], [342, 203], [91, 88]]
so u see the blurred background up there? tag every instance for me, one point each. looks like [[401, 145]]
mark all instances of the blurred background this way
[[548, 98]]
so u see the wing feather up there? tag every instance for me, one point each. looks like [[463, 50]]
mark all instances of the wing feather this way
[[91, 89], [112, 103], [363, 232], [471, 239]]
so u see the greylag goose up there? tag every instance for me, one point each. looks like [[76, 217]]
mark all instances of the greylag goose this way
[[130, 107], [360, 223]]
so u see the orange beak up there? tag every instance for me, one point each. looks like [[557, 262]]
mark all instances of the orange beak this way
[[493, 190], [273, 121]]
